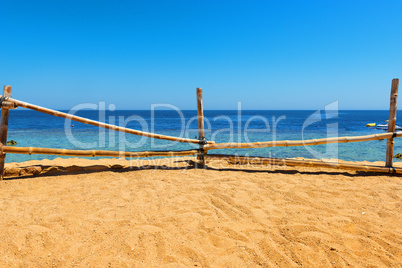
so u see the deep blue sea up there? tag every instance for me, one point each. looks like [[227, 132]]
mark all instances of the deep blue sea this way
[[30, 128]]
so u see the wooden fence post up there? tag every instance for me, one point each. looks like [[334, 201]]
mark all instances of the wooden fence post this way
[[201, 131], [391, 122], [4, 128]]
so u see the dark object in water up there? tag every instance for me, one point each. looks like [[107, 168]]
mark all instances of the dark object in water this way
[[399, 156], [12, 142]]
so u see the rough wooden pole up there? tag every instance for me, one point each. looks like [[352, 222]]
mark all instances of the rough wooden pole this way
[[391, 121], [4, 128], [201, 131]]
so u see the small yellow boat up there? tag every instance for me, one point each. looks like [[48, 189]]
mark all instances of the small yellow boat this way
[[370, 125]]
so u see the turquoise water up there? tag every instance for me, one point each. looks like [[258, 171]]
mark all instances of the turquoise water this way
[[30, 128]]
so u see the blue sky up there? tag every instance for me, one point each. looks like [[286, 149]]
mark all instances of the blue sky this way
[[266, 54]]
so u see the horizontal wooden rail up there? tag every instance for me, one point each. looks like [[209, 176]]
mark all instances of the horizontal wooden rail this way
[[92, 153], [305, 163], [99, 124], [302, 142]]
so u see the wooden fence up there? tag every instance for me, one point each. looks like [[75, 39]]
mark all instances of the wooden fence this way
[[7, 103]]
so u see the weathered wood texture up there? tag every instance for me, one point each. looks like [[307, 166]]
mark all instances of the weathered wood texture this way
[[391, 122], [201, 130], [4, 129], [93, 153]]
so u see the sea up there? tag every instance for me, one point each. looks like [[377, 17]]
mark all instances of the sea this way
[[31, 128]]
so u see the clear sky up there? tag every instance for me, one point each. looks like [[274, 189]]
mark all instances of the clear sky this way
[[267, 54]]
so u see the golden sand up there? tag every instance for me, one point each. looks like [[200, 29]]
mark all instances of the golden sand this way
[[102, 213]]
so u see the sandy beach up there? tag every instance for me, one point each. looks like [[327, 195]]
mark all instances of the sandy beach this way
[[164, 213]]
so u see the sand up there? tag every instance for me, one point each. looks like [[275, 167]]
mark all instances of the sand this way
[[103, 213]]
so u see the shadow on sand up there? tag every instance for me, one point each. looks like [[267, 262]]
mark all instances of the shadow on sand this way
[[36, 171]]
